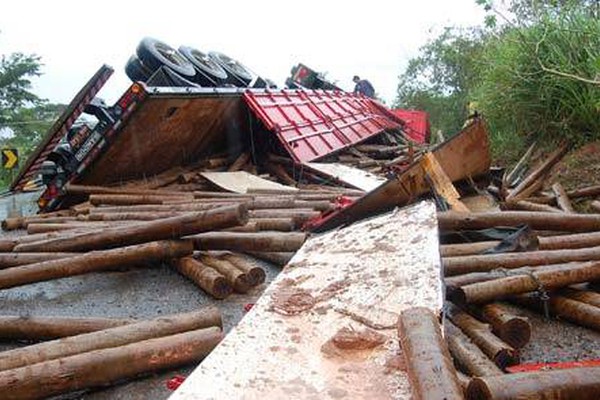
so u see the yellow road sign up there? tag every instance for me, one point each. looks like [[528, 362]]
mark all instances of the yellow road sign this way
[[10, 158]]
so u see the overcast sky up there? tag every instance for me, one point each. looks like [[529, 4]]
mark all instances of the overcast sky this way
[[373, 39]]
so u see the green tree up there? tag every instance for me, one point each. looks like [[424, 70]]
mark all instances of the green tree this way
[[440, 79]]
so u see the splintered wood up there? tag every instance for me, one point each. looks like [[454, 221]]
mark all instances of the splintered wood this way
[[326, 327]]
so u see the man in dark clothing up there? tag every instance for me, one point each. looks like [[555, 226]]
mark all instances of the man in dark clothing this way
[[363, 86]]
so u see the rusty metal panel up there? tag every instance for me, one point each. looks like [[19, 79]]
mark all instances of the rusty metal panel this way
[[170, 131], [465, 155], [325, 328], [313, 123]]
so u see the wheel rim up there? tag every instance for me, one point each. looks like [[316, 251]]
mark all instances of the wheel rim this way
[[170, 54], [204, 60]]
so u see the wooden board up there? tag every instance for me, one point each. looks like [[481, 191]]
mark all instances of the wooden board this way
[[356, 279], [357, 178], [166, 132], [465, 155], [241, 181]]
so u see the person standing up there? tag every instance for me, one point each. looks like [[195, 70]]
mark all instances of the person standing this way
[[363, 86]]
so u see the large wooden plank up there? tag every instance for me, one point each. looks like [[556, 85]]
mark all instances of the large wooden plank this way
[[354, 281], [464, 155]]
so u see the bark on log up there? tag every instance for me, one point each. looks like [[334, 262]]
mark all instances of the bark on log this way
[[153, 208], [239, 162], [584, 296], [71, 188], [513, 329], [563, 384], [529, 206], [21, 222], [563, 307], [34, 228], [130, 199], [205, 277], [284, 213], [275, 224], [540, 171], [93, 261], [112, 337], [15, 327], [244, 242], [133, 216], [103, 367], [467, 355], [237, 278], [480, 333], [425, 351], [256, 274], [451, 220], [467, 249], [574, 241], [562, 199], [277, 258], [501, 288], [590, 191], [168, 228], [8, 260]]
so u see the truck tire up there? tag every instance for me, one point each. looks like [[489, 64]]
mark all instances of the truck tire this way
[[136, 71], [154, 54], [233, 67], [204, 63]]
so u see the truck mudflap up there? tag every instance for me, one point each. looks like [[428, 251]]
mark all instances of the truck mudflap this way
[[61, 127], [311, 124]]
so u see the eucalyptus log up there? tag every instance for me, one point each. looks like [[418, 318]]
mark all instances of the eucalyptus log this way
[[529, 206], [275, 224], [277, 258], [466, 249], [244, 242], [129, 199], [452, 220], [33, 228], [239, 162], [513, 329], [562, 199], [584, 296], [112, 337], [480, 333], [154, 208], [16, 259], [590, 191], [425, 351], [21, 222], [205, 277], [7, 245], [255, 273], [71, 188], [562, 276], [563, 307], [487, 262], [93, 261], [16, 327], [133, 216], [168, 228], [540, 171], [574, 241], [238, 279], [106, 366], [564, 384], [301, 213], [467, 355]]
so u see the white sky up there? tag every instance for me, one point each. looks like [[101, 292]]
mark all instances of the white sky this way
[[373, 39]]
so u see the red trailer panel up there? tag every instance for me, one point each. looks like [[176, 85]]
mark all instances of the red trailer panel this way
[[416, 124], [313, 123]]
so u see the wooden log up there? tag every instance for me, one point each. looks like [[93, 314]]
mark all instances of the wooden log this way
[[540, 171], [133, 216], [323, 205], [467, 355], [574, 241], [256, 274], [529, 190], [275, 224], [154, 208], [261, 203], [7, 245], [513, 329], [167, 228], [280, 173], [10, 224], [595, 205], [205, 277], [277, 258], [212, 195], [251, 226], [33, 228], [238, 279], [93, 261], [519, 165], [584, 296], [487, 262], [495, 348], [239, 162], [590, 191], [112, 337], [261, 241], [504, 287], [103, 367], [296, 213], [17, 327], [562, 199], [130, 199], [424, 351], [15, 259], [463, 380], [564, 384], [71, 188], [466, 249], [451, 220], [529, 206]]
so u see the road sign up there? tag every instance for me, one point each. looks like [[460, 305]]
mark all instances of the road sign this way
[[10, 158]]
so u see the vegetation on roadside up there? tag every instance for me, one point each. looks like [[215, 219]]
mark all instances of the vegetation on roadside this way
[[533, 70]]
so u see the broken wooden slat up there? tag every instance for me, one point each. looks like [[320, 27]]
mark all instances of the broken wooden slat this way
[[441, 183]]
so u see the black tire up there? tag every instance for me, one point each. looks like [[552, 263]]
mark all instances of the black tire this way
[[136, 71], [204, 63], [233, 67], [154, 54]]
